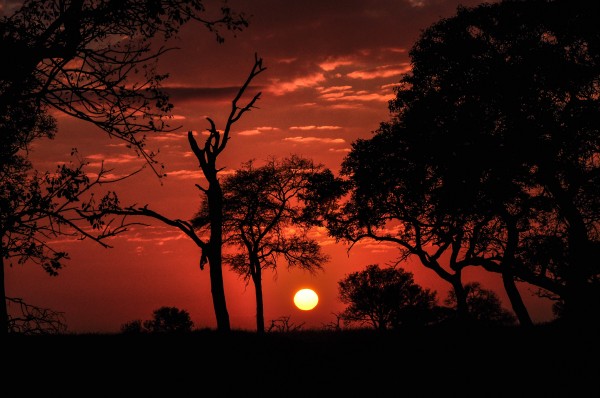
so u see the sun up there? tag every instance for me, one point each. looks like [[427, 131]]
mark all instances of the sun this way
[[306, 299]]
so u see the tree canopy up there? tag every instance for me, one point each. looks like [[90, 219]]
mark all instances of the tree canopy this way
[[385, 298], [490, 157]]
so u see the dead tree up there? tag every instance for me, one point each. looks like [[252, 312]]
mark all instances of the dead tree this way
[[207, 154]]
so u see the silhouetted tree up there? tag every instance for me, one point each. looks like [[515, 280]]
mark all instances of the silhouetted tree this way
[[212, 245], [490, 158], [515, 117], [169, 320], [93, 60], [30, 319], [133, 327], [385, 298], [37, 208], [484, 305], [262, 219]]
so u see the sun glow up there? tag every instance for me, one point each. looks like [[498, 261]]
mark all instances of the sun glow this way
[[306, 299]]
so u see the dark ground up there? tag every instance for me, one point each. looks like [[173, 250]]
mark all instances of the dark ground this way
[[435, 361]]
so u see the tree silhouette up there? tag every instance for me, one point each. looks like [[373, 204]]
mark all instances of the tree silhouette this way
[[30, 319], [37, 208], [385, 298], [164, 320], [483, 305], [207, 155], [490, 157], [521, 104], [169, 320], [93, 60], [262, 219]]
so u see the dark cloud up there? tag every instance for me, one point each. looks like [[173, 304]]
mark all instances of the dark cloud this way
[[187, 94]]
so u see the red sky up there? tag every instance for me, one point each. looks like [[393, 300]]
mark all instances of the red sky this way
[[331, 67]]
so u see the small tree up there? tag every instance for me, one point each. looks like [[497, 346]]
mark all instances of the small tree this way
[[169, 320], [385, 298], [483, 305]]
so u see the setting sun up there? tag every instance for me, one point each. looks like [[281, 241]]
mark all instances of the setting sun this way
[[306, 299]]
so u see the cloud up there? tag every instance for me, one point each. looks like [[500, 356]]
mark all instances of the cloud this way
[[189, 93], [310, 140], [332, 64], [123, 158], [282, 87], [380, 71], [339, 150], [169, 136], [305, 128], [185, 174], [257, 131]]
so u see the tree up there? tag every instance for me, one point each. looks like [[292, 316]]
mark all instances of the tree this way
[[524, 94], [169, 320], [38, 207], [93, 60], [263, 220], [164, 320], [385, 298], [489, 158], [211, 246], [484, 306], [33, 320]]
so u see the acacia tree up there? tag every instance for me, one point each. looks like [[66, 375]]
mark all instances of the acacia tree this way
[[491, 153], [210, 244], [263, 219], [385, 298]]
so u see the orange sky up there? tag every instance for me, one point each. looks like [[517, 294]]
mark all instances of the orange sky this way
[[331, 67]]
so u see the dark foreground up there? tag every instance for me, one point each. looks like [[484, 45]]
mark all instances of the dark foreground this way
[[436, 361]]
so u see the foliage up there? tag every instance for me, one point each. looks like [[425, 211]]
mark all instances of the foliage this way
[[164, 320], [95, 60], [263, 220], [490, 157], [385, 298], [169, 320], [483, 305]]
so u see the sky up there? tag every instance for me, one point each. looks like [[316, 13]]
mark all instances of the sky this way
[[331, 68]]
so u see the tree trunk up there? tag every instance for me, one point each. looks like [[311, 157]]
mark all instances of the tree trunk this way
[[508, 278], [257, 279], [3, 308], [462, 309], [516, 300], [215, 259]]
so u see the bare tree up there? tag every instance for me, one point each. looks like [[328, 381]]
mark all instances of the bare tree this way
[[211, 245], [30, 319]]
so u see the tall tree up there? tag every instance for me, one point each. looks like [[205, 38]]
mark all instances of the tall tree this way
[[212, 245], [493, 149], [263, 219], [385, 298]]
